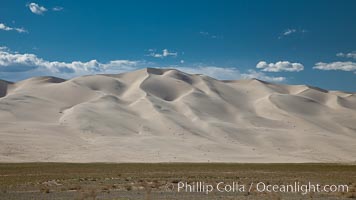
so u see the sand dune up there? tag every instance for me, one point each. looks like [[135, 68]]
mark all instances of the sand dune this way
[[164, 115]]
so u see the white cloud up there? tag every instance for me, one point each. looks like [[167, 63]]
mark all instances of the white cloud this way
[[262, 76], [7, 28], [57, 8], [165, 53], [17, 66], [37, 9], [204, 33], [289, 31], [209, 35], [343, 66], [222, 73], [347, 55], [228, 73], [280, 66], [14, 62]]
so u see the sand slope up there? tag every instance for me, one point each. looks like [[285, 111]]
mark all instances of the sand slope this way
[[162, 115]]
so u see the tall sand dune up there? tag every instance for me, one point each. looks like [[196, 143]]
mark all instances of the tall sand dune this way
[[165, 115]]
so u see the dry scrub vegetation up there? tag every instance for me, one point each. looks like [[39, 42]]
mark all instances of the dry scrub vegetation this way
[[149, 181]]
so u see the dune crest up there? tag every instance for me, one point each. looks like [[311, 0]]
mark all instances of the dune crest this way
[[164, 115]]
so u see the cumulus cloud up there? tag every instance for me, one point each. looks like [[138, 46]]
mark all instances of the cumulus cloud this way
[[343, 66], [17, 66], [7, 28], [347, 55], [15, 62], [37, 9], [165, 53], [280, 66], [228, 73]]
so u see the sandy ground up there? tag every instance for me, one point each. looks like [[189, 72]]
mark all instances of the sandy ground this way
[[160, 181], [161, 115]]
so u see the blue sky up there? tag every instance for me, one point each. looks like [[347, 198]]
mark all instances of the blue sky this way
[[292, 42]]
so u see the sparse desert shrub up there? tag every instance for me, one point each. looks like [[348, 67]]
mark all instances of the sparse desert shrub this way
[[45, 189], [156, 184], [128, 187], [175, 181], [105, 189], [350, 195], [75, 187]]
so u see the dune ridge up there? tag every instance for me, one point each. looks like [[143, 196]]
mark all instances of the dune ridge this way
[[165, 115]]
